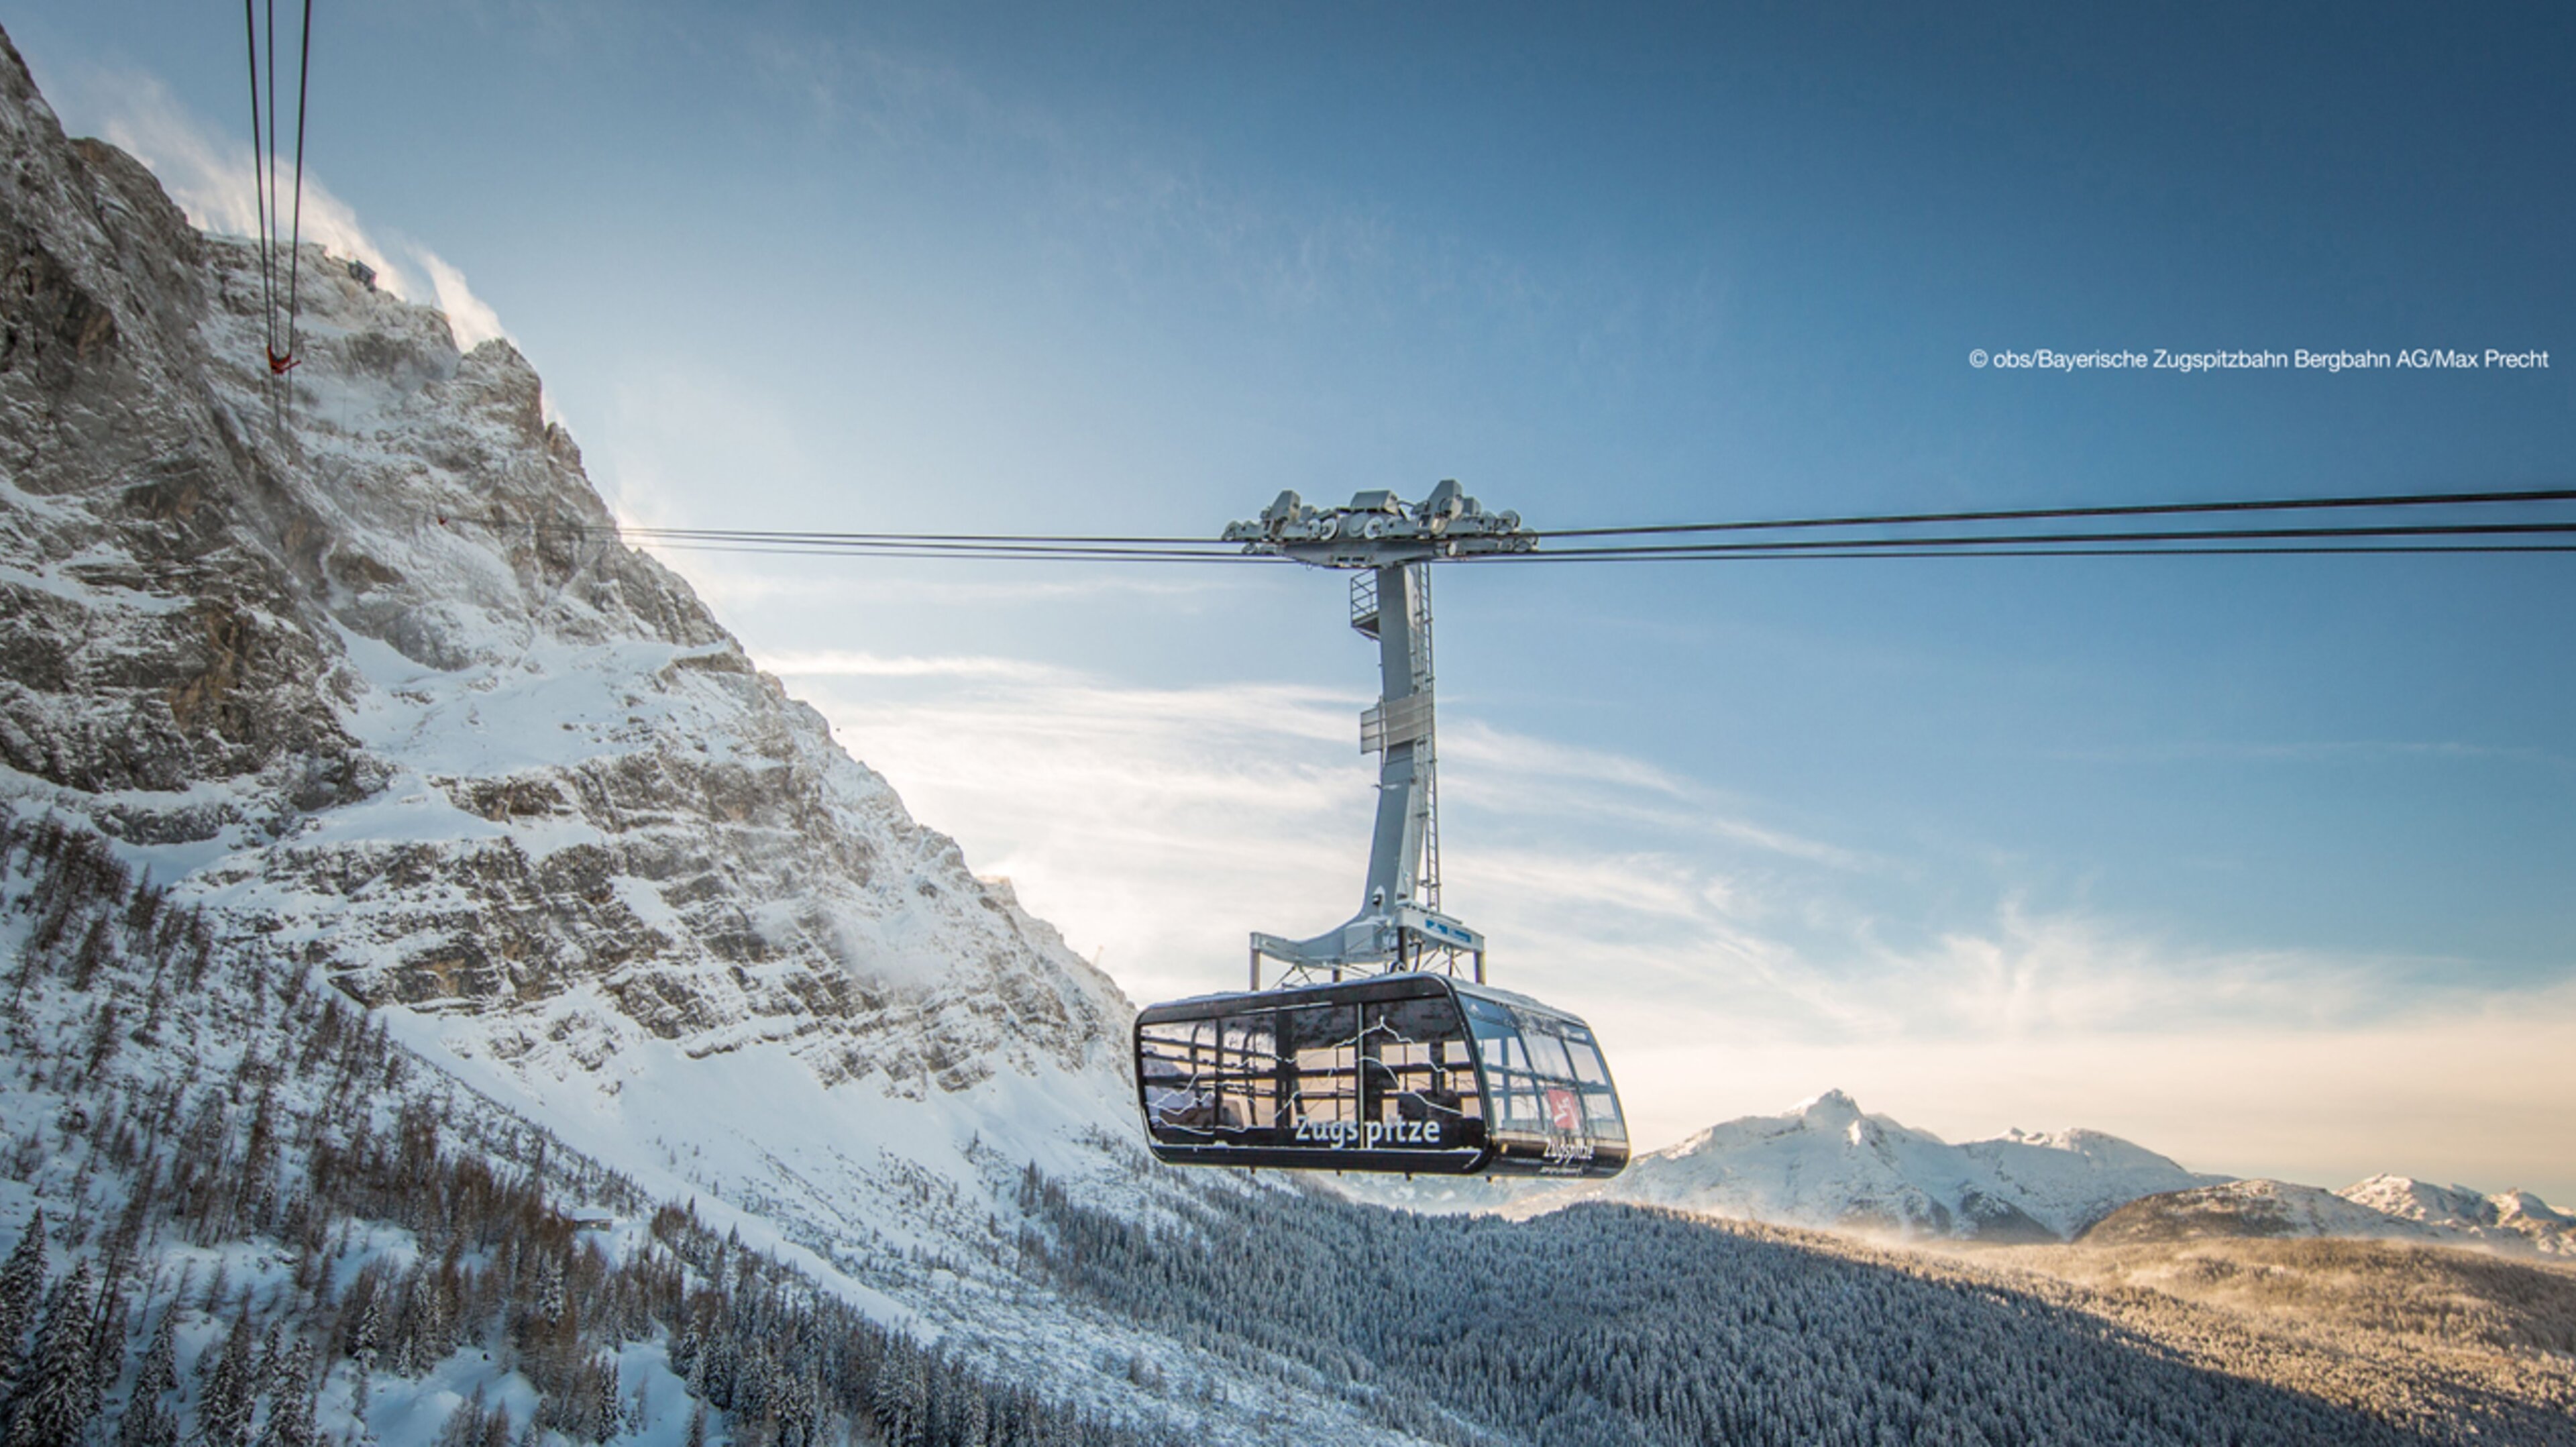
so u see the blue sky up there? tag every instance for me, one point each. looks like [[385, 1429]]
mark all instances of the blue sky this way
[[2264, 863]]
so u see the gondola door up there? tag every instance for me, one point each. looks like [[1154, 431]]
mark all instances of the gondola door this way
[[1560, 1103]]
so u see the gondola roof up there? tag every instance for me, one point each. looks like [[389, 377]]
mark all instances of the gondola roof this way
[[1195, 1006]]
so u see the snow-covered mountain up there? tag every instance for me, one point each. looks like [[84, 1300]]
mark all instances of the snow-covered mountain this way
[[1827, 1163], [364, 667], [2501, 1215], [2397, 1208], [2241, 1208], [360, 667]]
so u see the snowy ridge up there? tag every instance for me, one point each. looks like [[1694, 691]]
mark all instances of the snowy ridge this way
[[2243, 1208], [2502, 1216], [2397, 1208], [1826, 1164]]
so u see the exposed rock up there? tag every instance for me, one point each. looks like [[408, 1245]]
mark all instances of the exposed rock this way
[[361, 660]]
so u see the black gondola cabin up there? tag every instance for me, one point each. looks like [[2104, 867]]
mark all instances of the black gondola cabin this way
[[1417, 1073]]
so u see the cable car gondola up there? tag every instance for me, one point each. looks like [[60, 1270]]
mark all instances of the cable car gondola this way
[[1380, 1047], [1407, 1072]]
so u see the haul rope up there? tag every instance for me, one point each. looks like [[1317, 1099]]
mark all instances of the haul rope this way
[[265, 184]]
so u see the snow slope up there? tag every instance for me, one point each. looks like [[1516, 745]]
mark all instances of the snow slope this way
[[224, 1149]]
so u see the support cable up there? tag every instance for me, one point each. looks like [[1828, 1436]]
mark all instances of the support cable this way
[[1031, 555], [783, 534], [259, 184], [2418, 499], [295, 242], [2321, 550], [2188, 535], [2030, 547], [2383, 538], [268, 158], [269, 201]]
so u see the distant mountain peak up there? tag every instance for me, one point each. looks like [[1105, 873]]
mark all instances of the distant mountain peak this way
[[1827, 1162], [1834, 1108]]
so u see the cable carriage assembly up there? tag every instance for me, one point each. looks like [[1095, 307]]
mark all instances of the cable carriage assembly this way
[[1378, 1046]]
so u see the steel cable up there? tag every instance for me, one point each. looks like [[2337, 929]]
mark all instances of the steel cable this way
[[259, 185], [295, 243], [2415, 499], [2379, 538]]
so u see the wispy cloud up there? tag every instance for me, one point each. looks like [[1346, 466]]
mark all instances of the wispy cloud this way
[[469, 317], [877, 665], [1154, 826], [1162, 824], [1551, 776], [1731, 963]]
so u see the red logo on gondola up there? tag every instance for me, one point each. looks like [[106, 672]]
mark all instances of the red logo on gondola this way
[[1563, 1112]]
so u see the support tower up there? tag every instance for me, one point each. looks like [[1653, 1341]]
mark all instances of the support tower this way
[[1386, 543]]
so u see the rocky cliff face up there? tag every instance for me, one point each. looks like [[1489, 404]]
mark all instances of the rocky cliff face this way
[[362, 662]]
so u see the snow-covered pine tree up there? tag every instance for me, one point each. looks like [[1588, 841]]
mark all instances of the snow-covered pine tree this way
[[751, 1381], [290, 1387], [717, 1362], [224, 1411], [148, 1421], [603, 1410], [465, 1425], [22, 1286], [107, 1327], [366, 1332], [60, 1396], [217, 1287], [897, 1419]]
